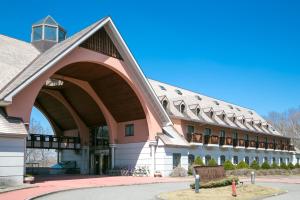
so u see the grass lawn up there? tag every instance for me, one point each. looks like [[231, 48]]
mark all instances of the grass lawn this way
[[223, 193]]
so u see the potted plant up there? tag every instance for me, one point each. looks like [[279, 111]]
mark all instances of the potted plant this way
[[28, 178]]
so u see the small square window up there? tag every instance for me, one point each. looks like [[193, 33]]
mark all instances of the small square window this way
[[129, 130], [235, 160]]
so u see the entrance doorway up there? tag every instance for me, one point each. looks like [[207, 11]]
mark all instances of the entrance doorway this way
[[101, 164]]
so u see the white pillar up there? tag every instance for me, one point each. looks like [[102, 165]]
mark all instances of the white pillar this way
[[112, 147], [219, 160], [153, 145]]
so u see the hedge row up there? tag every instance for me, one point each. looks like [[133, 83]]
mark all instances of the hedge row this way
[[217, 183], [255, 165]]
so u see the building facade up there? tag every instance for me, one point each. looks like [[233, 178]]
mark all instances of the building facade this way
[[106, 114]]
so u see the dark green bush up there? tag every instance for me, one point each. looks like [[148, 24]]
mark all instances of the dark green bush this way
[[242, 165], [190, 170], [291, 166], [228, 165], [274, 165], [198, 161], [283, 166], [297, 165], [212, 163], [217, 183], [254, 165], [265, 165]]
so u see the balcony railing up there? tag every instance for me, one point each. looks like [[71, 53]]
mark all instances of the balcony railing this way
[[207, 139], [214, 139], [253, 144], [228, 141], [241, 143], [196, 137]]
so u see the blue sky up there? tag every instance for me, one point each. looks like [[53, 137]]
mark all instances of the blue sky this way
[[244, 52]]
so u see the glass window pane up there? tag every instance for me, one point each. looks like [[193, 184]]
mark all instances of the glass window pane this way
[[50, 33], [61, 36], [37, 33]]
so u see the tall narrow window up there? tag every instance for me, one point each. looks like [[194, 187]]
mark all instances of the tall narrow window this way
[[222, 133], [247, 160], [222, 159], [235, 160], [176, 160], [191, 159], [207, 131], [190, 129], [129, 130], [207, 159]]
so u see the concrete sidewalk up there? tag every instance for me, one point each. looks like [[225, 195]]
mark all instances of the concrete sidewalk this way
[[53, 184]]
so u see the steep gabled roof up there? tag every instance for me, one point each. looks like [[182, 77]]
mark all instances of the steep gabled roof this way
[[50, 57]]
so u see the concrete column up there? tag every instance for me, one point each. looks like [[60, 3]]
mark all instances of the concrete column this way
[[219, 160], [112, 147], [153, 145]]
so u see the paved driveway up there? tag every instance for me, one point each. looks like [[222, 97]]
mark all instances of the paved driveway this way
[[139, 192], [149, 191]]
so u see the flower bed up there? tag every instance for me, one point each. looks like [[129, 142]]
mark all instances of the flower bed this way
[[217, 183]]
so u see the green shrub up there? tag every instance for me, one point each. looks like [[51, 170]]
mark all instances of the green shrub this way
[[198, 161], [217, 183], [228, 165], [190, 170], [283, 165], [254, 165], [291, 166], [212, 163], [274, 165], [242, 165], [297, 165], [265, 165]]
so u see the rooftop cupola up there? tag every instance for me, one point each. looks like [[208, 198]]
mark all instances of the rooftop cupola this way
[[46, 33]]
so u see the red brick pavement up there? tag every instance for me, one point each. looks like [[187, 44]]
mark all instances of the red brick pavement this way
[[48, 185]]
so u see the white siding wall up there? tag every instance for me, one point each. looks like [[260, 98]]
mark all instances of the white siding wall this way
[[11, 160], [133, 155]]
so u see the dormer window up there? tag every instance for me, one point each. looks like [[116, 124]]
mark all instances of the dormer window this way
[[162, 88], [211, 114], [198, 97], [230, 106], [217, 103], [243, 121], [178, 92], [198, 111], [165, 104], [182, 108], [238, 109], [223, 116], [250, 112], [252, 122], [233, 119]]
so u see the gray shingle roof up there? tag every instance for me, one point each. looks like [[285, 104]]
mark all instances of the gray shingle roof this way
[[15, 55], [10, 125]]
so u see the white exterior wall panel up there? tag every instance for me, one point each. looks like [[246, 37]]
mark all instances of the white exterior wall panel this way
[[11, 160]]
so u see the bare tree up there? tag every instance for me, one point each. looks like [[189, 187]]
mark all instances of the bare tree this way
[[42, 156], [288, 123]]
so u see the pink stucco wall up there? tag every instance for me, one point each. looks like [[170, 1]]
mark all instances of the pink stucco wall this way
[[23, 102]]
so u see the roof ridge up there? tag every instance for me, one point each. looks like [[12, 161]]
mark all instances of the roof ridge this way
[[197, 93]]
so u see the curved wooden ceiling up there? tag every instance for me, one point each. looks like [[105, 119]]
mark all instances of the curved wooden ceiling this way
[[112, 89], [115, 93]]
